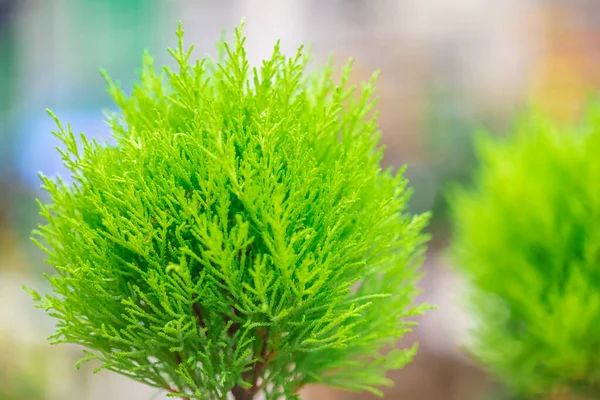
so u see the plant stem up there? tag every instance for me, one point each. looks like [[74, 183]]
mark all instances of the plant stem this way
[[255, 373], [240, 394]]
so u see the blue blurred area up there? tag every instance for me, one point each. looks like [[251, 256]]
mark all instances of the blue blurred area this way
[[52, 52], [35, 149]]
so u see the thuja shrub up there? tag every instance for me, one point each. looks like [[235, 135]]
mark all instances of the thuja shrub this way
[[239, 235], [527, 236]]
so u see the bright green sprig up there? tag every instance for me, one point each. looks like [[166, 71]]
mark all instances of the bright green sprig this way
[[239, 237]]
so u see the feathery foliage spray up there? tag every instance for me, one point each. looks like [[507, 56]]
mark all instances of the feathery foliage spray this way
[[239, 237], [528, 239]]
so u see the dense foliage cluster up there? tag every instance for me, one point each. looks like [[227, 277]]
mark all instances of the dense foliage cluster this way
[[528, 238], [239, 236]]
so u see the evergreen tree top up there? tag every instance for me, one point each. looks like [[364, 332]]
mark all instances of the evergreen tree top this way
[[239, 236]]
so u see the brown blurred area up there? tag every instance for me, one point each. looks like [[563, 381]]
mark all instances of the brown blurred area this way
[[448, 68]]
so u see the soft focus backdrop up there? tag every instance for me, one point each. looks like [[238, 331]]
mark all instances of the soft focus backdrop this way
[[449, 68]]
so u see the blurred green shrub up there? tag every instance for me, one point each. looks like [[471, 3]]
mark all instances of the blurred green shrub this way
[[527, 236]]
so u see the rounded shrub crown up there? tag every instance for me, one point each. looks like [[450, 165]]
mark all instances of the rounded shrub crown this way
[[528, 238], [239, 236]]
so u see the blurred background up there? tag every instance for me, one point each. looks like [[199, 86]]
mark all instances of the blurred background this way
[[449, 68]]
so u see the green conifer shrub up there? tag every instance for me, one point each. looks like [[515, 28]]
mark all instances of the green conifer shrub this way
[[527, 237], [239, 237]]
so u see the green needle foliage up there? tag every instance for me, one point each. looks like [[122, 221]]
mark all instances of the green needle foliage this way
[[238, 237], [528, 238]]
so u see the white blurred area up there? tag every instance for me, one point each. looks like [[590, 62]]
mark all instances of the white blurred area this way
[[488, 58]]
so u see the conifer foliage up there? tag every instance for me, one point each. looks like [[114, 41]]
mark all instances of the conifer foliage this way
[[528, 239], [238, 237]]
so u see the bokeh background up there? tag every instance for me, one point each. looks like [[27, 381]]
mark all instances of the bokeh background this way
[[449, 68]]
